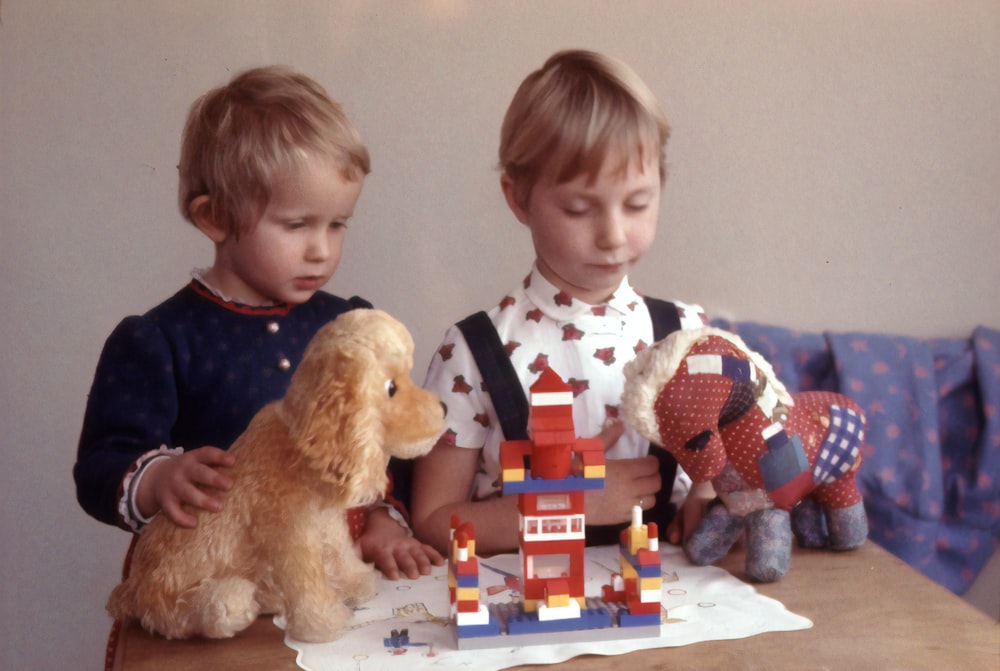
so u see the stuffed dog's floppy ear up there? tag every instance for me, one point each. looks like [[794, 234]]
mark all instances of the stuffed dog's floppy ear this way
[[334, 423]]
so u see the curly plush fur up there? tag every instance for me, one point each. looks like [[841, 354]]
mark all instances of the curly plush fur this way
[[281, 544]]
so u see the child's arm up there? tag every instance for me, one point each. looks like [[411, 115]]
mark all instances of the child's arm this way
[[692, 510], [393, 550], [627, 482], [173, 484], [442, 481]]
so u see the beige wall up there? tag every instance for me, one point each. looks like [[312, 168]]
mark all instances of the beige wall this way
[[834, 165]]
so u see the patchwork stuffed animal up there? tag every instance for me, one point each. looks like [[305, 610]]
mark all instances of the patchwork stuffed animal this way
[[281, 544], [721, 411]]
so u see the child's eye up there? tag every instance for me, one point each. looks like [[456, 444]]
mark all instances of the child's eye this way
[[295, 225], [337, 225], [637, 207]]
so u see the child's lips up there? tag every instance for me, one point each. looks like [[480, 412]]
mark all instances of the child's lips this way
[[310, 283]]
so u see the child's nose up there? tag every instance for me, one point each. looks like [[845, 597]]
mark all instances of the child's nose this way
[[319, 247], [611, 231]]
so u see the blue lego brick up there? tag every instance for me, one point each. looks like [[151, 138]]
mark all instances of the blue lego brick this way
[[652, 571], [626, 619], [467, 580], [528, 623], [573, 483], [647, 571], [492, 628]]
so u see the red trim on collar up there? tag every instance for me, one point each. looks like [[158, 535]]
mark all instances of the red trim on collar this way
[[281, 309]]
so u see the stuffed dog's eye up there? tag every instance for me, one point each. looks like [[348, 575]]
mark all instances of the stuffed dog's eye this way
[[390, 387]]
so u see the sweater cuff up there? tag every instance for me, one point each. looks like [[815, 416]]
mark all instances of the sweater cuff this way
[[128, 511]]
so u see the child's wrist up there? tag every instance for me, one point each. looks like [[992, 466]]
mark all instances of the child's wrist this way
[[128, 506]]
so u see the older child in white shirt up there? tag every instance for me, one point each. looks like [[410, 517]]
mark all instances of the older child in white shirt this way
[[582, 155]]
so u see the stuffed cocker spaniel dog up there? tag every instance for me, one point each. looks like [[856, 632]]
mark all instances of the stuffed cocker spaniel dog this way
[[281, 544]]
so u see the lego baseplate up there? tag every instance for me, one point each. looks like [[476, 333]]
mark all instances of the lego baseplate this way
[[510, 625]]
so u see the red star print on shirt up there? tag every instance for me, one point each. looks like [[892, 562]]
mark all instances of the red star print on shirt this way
[[460, 386], [508, 301], [446, 351], [447, 438], [605, 355], [578, 386], [639, 346], [511, 346], [563, 298], [482, 419], [571, 332], [534, 315], [599, 310], [540, 363]]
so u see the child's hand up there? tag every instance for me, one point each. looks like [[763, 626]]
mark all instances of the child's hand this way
[[627, 482], [406, 555], [170, 484], [692, 510], [392, 550]]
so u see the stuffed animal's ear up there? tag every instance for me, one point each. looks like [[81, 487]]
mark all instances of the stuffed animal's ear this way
[[336, 426]]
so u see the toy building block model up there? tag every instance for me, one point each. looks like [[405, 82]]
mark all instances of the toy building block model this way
[[550, 472]]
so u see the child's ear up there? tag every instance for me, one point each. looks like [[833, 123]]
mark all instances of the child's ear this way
[[510, 193], [200, 210]]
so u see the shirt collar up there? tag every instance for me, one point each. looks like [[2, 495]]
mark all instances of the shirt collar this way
[[560, 306]]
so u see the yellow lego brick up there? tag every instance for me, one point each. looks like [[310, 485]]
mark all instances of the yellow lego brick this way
[[557, 600], [638, 538], [650, 583], [513, 475], [596, 471], [467, 594]]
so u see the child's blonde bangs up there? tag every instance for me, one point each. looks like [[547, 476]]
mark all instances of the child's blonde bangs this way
[[239, 139], [576, 112]]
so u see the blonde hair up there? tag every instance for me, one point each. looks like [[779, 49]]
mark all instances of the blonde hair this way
[[569, 116], [242, 136]]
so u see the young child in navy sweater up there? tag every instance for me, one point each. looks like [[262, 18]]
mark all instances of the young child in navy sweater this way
[[270, 172]]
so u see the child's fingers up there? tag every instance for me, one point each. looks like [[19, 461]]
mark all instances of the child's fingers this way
[[176, 513], [611, 432], [435, 557]]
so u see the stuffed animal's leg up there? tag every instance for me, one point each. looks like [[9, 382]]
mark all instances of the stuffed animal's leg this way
[[848, 526], [809, 524], [214, 608], [224, 607], [717, 532], [356, 579], [769, 544], [314, 604]]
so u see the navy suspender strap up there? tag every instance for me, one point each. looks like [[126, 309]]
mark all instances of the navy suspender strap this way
[[665, 316], [498, 374], [666, 319]]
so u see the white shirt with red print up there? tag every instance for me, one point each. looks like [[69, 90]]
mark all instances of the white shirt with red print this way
[[541, 326]]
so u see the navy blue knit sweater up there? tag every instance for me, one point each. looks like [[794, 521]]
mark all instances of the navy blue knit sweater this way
[[190, 372]]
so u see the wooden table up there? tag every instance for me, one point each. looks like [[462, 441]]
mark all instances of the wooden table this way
[[869, 609]]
